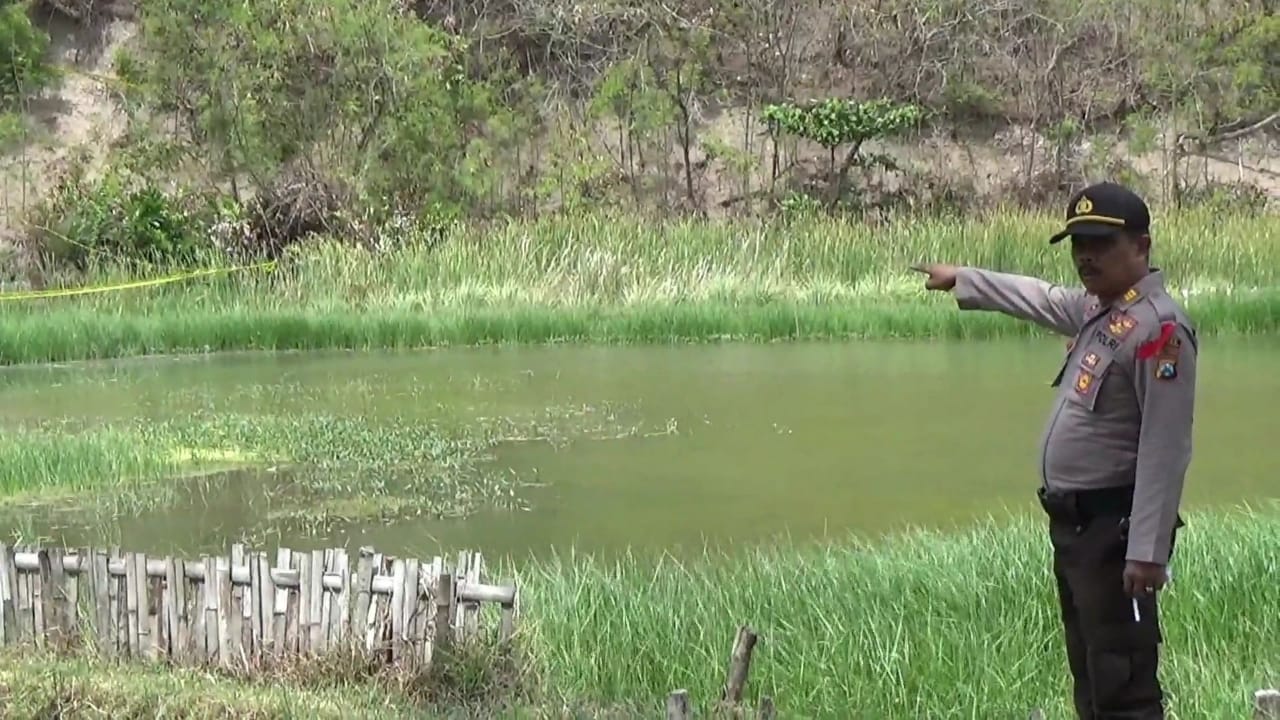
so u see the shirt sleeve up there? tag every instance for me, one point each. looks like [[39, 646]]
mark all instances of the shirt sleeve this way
[[1165, 380], [1051, 306]]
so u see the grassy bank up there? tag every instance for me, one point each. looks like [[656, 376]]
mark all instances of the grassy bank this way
[[43, 686], [921, 625], [623, 280]]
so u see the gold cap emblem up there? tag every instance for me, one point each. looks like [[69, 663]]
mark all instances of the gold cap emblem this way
[[1083, 206]]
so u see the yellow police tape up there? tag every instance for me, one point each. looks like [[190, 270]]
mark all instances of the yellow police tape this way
[[67, 292]]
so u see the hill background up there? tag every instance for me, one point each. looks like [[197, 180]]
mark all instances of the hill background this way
[[136, 127]]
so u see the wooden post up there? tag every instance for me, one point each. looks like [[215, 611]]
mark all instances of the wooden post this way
[[678, 705], [280, 608], [739, 666], [51, 577], [8, 572], [316, 629], [399, 597], [103, 622], [40, 597], [22, 604], [263, 592], [341, 600], [306, 587], [228, 648], [234, 605], [1266, 705], [444, 609], [510, 610], [471, 620], [363, 600]]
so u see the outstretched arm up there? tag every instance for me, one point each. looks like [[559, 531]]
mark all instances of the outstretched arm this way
[[1051, 306]]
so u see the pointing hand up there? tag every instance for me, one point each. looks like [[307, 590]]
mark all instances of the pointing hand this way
[[941, 277]]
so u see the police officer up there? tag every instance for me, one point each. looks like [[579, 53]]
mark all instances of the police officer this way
[[1117, 443]]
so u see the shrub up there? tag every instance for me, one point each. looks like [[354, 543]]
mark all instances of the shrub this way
[[23, 47], [117, 219]]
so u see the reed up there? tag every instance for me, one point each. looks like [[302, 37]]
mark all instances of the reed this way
[[615, 279], [921, 624]]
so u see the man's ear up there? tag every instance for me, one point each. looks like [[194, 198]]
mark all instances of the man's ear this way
[[1143, 241]]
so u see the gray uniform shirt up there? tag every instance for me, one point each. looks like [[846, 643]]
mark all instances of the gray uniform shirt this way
[[1126, 392]]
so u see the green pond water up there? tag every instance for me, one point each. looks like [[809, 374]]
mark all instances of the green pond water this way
[[728, 445]]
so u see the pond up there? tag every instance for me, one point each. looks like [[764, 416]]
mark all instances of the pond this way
[[741, 443]]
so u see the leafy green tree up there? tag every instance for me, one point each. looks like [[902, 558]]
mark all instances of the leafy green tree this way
[[835, 123], [361, 91]]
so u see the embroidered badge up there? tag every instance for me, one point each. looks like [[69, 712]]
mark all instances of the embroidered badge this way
[[1084, 381], [1091, 360], [1131, 295], [1120, 325], [1084, 206], [1165, 349], [1167, 361]]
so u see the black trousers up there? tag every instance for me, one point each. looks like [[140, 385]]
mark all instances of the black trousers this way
[[1113, 657]]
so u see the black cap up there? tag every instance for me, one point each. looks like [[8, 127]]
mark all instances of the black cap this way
[[1103, 209]]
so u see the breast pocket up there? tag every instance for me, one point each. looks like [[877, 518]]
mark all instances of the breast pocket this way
[[1087, 375]]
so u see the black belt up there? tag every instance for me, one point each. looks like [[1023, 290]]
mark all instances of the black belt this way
[[1080, 506]]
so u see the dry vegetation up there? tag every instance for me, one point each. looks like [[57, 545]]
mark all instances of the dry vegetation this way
[[361, 119], [1035, 78]]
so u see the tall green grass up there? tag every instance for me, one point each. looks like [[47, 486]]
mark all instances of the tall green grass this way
[[61, 458], [614, 279], [919, 625], [914, 626]]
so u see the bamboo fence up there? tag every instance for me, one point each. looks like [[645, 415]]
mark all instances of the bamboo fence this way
[[241, 609]]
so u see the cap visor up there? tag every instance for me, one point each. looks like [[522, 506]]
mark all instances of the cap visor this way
[[1086, 229]]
